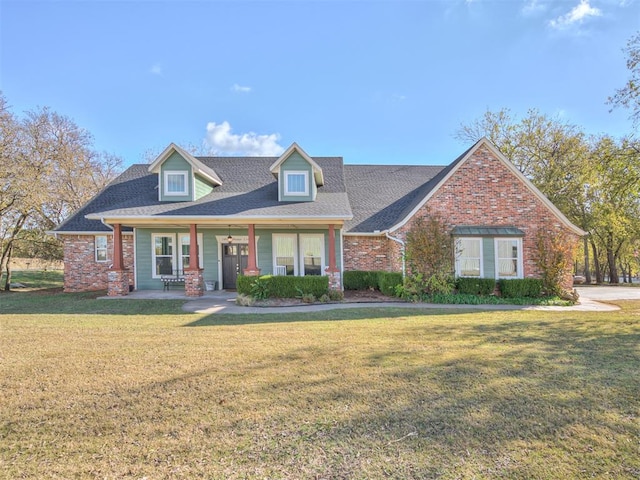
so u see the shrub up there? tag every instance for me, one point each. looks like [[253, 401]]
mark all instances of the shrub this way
[[475, 286], [243, 284], [360, 280], [553, 256], [244, 300], [520, 287], [279, 286], [387, 282], [336, 295]]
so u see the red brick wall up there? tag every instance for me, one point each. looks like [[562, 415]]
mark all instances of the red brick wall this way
[[366, 253], [483, 192], [81, 271]]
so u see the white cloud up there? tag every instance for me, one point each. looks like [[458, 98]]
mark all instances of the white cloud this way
[[156, 69], [577, 15], [532, 7], [240, 89], [221, 141]]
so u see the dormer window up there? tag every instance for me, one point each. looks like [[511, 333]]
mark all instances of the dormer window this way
[[175, 183], [296, 183]]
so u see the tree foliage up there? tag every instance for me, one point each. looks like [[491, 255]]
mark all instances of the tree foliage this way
[[594, 181], [430, 255], [48, 169], [629, 95]]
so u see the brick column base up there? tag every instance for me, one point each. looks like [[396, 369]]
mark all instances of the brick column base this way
[[335, 280], [193, 283], [251, 273], [117, 283]]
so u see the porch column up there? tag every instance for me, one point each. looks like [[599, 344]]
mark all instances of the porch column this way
[[117, 277], [332, 270], [193, 279], [252, 269]]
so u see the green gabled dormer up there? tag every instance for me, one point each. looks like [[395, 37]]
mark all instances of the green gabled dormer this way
[[181, 176], [298, 176]]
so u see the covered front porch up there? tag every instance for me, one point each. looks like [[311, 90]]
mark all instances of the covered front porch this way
[[204, 255]]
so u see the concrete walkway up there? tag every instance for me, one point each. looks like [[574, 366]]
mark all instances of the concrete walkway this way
[[220, 301]]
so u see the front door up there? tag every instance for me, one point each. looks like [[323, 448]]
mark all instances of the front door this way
[[234, 261]]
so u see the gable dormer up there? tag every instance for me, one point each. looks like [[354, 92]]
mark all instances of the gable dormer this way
[[298, 176], [181, 176]]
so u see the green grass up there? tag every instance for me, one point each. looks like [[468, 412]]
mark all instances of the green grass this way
[[37, 279], [365, 393]]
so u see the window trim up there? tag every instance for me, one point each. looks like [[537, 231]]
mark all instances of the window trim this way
[[296, 268], [105, 248], [184, 174], [322, 251], [290, 173], [480, 241], [520, 262], [153, 252]]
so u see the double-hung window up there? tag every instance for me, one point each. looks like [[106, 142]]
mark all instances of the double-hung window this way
[[469, 257], [312, 254], [284, 253], [101, 248], [508, 257], [298, 254], [163, 249], [296, 183], [175, 183]]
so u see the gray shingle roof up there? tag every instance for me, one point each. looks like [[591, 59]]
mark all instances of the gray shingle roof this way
[[377, 196], [248, 190]]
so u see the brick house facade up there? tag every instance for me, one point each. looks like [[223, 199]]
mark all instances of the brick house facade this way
[[81, 270], [354, 217]]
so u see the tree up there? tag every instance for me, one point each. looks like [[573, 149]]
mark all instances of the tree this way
[[430, 254], [552, 153], [48, 169], [629, 95]]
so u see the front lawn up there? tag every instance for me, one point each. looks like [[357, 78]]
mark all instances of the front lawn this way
[[368, 393]]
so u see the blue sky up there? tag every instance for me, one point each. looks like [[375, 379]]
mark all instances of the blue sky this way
[[372, 81]]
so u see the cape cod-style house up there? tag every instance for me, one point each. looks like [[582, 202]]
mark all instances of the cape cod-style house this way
[[206, 220]]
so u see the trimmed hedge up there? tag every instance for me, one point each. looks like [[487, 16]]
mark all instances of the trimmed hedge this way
[[360, 280], [475, 286], [280, 286], [379, 280], [520, 287]]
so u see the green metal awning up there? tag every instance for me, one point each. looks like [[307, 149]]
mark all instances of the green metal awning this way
[[474, 231]]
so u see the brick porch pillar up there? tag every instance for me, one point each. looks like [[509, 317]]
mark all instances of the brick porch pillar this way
[[252, 269], [332, 271], [193, 278], [117, 277]]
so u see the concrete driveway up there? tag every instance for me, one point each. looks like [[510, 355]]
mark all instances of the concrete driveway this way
[[604, 293]]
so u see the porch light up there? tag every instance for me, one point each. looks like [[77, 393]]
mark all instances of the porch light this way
[[230, 238]]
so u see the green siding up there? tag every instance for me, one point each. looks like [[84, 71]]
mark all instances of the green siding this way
[[297, 163], [144, 259], [176, 162], [488, 257], [202, 187], [212, 251]]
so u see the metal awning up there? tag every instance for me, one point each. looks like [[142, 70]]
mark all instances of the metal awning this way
[[476, 231]]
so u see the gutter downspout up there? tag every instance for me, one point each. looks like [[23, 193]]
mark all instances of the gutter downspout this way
[[402, 250]]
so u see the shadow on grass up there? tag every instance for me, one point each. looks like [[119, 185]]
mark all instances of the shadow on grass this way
[[338, 314], [48, 302]]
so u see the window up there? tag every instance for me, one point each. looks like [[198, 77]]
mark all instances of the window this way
[[312, 254], [175, 183], [296, 183], [284, 254], [185, 242], [469, 257], [163, 261], [101, 248], [508, 258]]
